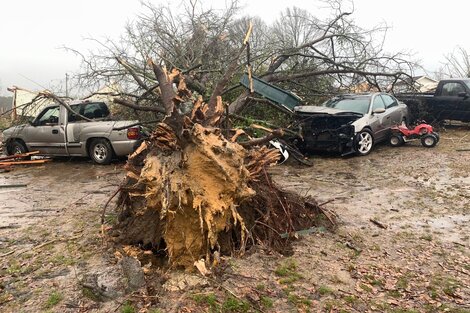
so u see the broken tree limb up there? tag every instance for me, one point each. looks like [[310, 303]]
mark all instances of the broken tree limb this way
[[242, 118], [64, 104], [377, 223], [260, 141], [134, 106], [220, 86], [133, 73], [166, 88], [13, 186]]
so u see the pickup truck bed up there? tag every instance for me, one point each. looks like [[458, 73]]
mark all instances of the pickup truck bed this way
[[451, 101]]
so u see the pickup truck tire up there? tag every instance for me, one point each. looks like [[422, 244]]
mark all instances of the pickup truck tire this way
[[17, 147], [364, 142], [101, 151]]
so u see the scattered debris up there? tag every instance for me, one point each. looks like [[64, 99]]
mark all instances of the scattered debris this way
[[13, 186], [379, 224], [7, 162]]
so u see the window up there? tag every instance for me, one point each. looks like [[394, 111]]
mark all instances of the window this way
[[452, 89], [389, 101], [378, 103], [49, 117], [358, 104], [89, 110]]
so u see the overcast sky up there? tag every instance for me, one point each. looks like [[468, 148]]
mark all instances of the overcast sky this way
[[32, 32]]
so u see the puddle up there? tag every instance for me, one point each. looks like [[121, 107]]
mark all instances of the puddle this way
[[53, 187]]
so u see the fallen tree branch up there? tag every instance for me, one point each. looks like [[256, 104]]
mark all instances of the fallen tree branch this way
[[259, 141], [379, 224], [134, 106], [242, 118]]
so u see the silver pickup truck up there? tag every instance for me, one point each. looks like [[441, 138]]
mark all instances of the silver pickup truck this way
[[58, 132]]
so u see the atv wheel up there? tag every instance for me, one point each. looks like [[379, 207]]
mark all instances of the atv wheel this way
[[436, 135], [429, 140], [364, 142], [397, 140]]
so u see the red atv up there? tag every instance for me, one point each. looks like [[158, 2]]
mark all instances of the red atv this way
[[401, 134]]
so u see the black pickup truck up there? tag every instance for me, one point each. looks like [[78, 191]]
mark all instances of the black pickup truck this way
[[450, 101]]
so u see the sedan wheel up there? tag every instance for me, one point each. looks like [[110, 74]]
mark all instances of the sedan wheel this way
[[364, 142]]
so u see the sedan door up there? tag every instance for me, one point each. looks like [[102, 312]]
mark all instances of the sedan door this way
[[393, 110], [378, 121]]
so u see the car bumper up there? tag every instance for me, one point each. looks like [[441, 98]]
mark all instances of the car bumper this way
[[123, 148]]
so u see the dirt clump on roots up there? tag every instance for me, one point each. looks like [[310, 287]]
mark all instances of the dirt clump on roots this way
[[210, 195]]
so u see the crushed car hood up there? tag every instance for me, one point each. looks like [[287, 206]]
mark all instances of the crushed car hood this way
[[312, 109]]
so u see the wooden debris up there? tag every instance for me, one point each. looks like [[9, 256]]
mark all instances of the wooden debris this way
[[18, 156], [9, 163], [13, 186], [379, 224]]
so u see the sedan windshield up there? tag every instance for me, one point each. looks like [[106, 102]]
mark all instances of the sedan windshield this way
[[356, 104]]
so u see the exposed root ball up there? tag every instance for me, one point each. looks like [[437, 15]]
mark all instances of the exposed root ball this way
[[203, 195]]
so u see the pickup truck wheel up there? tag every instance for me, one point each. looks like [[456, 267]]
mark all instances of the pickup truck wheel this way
[[364, 142], [101, 151], [18, 147]]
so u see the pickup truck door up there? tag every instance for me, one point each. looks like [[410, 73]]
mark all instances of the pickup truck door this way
[[45, 134], [449, 105]]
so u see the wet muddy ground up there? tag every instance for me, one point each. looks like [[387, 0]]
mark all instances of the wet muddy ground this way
[[50, 238]]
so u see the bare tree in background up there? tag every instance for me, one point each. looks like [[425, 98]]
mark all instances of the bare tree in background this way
[[299, 52], [457, 64]]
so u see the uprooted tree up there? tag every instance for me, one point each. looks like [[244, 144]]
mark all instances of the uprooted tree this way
[[193, 188], [191, 191]]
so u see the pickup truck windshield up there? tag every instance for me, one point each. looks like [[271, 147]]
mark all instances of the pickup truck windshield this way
[[91, 110], [356, 105]]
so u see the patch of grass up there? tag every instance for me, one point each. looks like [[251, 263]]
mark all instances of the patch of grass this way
[[449, 285], [54, 298], [365, 287], [400, 310], [427, 237], [88, 293], [325, 290], [127, 308], [209, 299], [402, 283], [62, 260], [288, 271], [266, 302], [351, 299], [299, 300], [261, 287], [232, 304], [394, 294], [14, 268]]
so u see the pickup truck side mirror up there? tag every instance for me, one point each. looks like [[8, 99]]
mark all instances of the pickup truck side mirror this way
[[378, 111], [463, 94]]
